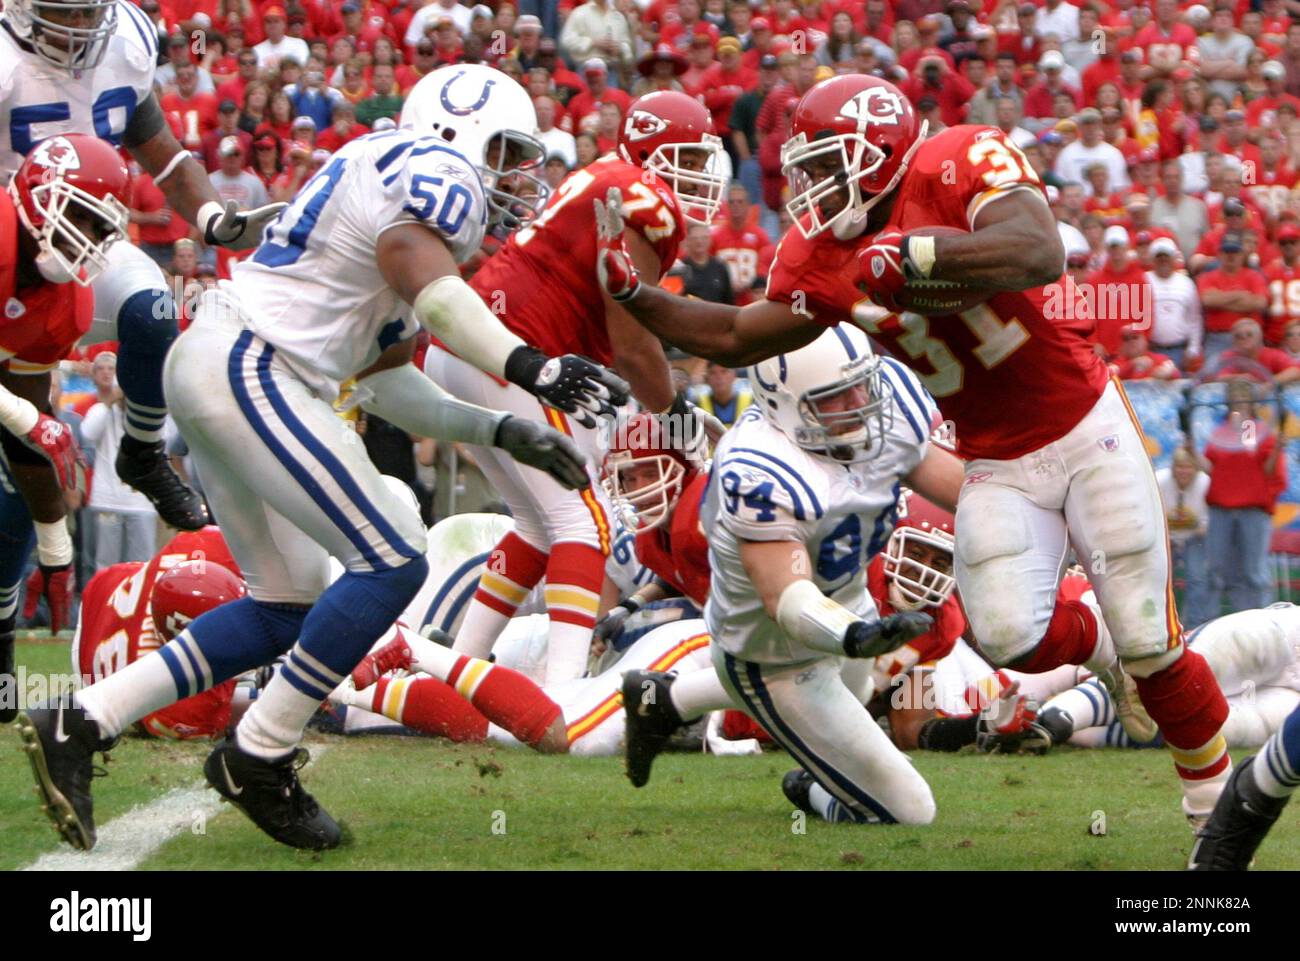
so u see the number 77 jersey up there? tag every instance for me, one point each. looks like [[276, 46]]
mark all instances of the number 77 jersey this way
[[1013, 374], [542, 283]]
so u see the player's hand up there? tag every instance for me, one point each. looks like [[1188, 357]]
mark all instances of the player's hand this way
[[233, 228], [683, 426], [1008, 725], [873, 638], [55, 585], [881, 271], [548, 450], [53, 440], [611, 625], [614, 267], [573, 384]]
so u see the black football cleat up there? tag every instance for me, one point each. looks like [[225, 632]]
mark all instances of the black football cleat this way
[[1057, 723], [1238, 825], [60, 741], [8, 679], [144, 467], [651, 720], [270, 794], [796, 786]]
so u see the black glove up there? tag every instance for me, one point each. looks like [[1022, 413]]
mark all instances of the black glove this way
[[612, 623], [683, 427], [548, 450], [573, 384], [237, 229], [873, 638]]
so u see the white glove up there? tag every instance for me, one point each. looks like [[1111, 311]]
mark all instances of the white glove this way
[[233, 228]]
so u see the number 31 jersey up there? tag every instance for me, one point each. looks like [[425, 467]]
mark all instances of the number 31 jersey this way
[[313, 288], [764, 487], [542, 283], [1013, 374], [39, 100]]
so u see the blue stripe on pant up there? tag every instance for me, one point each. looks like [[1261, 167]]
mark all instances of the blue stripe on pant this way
[[395, 551], [759, 701]]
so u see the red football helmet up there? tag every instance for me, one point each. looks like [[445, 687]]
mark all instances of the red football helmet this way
[[71, 193], [189, 590], [853, 134], [922, 534], [644, 472], [663, 129]]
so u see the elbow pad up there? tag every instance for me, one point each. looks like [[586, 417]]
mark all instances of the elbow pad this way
[[406, 398], [805, 612], [449, 309]]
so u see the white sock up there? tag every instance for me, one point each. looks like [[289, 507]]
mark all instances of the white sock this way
[[1103, 655], [274, 724], [567, 649], [696, 693], [432, 658], [119, 700], [1088, 705]]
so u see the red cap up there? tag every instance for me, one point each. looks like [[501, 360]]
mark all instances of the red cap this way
[[1148, 155], [270, 12], [1288, 232], [759, 23]]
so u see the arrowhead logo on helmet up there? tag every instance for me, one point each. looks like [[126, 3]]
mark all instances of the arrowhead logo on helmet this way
[[875, 105], [57, 154], [641, 124]]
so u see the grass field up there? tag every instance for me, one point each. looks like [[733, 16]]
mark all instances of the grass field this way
[[412, 803]]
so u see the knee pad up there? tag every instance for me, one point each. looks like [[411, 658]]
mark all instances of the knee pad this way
[[146, 322], [988, 529], [281, 623]]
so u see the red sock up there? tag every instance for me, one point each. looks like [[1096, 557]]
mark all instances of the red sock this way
[[1070, 639], [1185, 700], [512, 569], [574, 578], [505, 697], [428, 705]]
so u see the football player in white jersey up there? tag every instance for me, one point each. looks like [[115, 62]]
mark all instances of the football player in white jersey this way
[[804, 491], [87, 66], [368, 250]]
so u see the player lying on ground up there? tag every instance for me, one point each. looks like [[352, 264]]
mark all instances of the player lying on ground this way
[[88, 67], [1054, 454], [543, 286], [382, 226], [63, 213]]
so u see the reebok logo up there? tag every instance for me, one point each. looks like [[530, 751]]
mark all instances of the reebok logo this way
[[75, 914]]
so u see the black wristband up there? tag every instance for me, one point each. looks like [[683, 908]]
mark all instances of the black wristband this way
[[631, 604], [523, 365]]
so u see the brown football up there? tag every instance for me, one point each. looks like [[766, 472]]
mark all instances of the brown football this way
[[940, 297]]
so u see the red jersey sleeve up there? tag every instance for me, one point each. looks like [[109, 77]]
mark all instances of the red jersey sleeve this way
[[968, 168]]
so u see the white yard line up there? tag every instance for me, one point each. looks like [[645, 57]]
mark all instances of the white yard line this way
[[126, 841]]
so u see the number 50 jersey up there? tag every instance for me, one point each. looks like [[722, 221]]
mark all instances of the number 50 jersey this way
[[313, 288], [764, 487]]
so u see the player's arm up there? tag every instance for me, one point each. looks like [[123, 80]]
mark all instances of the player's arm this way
[[30, 428], [185, 183], [775, 568], [938, 478], [393, 389], [1014, 245], [638, 354], [417, 264]]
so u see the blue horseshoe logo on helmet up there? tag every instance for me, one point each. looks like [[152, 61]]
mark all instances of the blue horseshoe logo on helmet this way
[[781, 371], [464, 111]]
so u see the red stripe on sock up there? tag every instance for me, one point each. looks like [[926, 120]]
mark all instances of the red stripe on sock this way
[[572, 617], [459, 666], [504, 608], [1205, 773]]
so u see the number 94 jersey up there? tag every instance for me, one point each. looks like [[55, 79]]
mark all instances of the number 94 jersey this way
[[313, 288], [1020, 349], [39, 100], [764, 487]]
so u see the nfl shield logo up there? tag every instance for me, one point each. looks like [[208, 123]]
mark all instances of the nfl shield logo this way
[[1109, 443], [14, 308], [878, 266]]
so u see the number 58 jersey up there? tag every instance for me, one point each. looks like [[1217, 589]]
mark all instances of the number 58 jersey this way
[[1015, 373], [313, 288], [764, 487]]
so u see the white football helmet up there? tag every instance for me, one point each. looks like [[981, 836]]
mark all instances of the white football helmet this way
[[490, 120], [69, 34], [794, 391]]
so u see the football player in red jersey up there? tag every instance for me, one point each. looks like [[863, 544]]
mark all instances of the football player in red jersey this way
[[131, 609], [1055, 458], [543, 285], [64, 207]]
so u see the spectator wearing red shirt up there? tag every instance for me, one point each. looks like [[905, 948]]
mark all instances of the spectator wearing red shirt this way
[[1024, 44], [343, 130], [762, 41], [738, 243], [1040, 100], [935, 79], [196, 112], [424, 61], [1119, 293], [1242, 457], [1236, 140], [1231, 292], [773, 126], [233, 89], [584, 109], [1137, 361], [1269, 187], [1250, 359], [1167, 42], [227, 126], [159, 226], [724, 82], [1232, 217], [699, 58], [1262, 111], [1105, 70], [1283, 276]]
